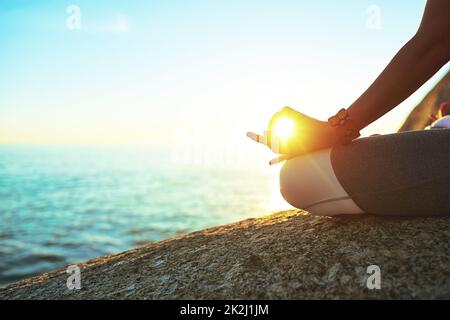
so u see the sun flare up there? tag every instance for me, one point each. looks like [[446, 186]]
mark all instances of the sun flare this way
[[284, 127]]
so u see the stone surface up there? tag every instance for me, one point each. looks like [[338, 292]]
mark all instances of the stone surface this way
[[288, 255]]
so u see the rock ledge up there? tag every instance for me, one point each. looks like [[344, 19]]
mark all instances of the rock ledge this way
[[287, 255]]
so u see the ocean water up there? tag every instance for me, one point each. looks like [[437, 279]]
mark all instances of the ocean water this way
[[64, 204]]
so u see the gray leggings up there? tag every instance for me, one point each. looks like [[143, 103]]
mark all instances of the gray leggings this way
[[404, 173]]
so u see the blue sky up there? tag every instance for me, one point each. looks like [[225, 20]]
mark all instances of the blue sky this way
[[155, 71]]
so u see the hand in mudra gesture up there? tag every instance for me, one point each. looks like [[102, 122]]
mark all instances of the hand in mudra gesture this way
[[291, 133]]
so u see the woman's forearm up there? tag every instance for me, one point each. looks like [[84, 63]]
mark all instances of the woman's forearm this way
[[412, 66]]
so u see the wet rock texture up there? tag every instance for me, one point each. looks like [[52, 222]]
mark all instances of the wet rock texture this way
[[288, 255]]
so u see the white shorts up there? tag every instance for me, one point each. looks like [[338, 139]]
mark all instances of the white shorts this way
[[308, 182]]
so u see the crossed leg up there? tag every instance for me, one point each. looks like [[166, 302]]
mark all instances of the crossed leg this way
[[308, 182], [404, 173]]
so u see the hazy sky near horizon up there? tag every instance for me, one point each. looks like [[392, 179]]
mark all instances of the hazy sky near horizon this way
[[158, 71]]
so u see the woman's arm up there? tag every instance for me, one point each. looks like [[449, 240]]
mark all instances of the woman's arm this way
[[412, 66]]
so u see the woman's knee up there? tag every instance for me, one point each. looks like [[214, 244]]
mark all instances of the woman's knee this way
[[309, 181], [289, 186]]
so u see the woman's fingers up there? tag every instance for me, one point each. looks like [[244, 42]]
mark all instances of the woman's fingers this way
[[281, 158], [273, 144], [257, 137]]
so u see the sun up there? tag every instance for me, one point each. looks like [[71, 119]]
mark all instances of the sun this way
[[283, 127]]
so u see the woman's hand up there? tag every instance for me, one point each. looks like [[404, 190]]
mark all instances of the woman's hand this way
[[291, 133]]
